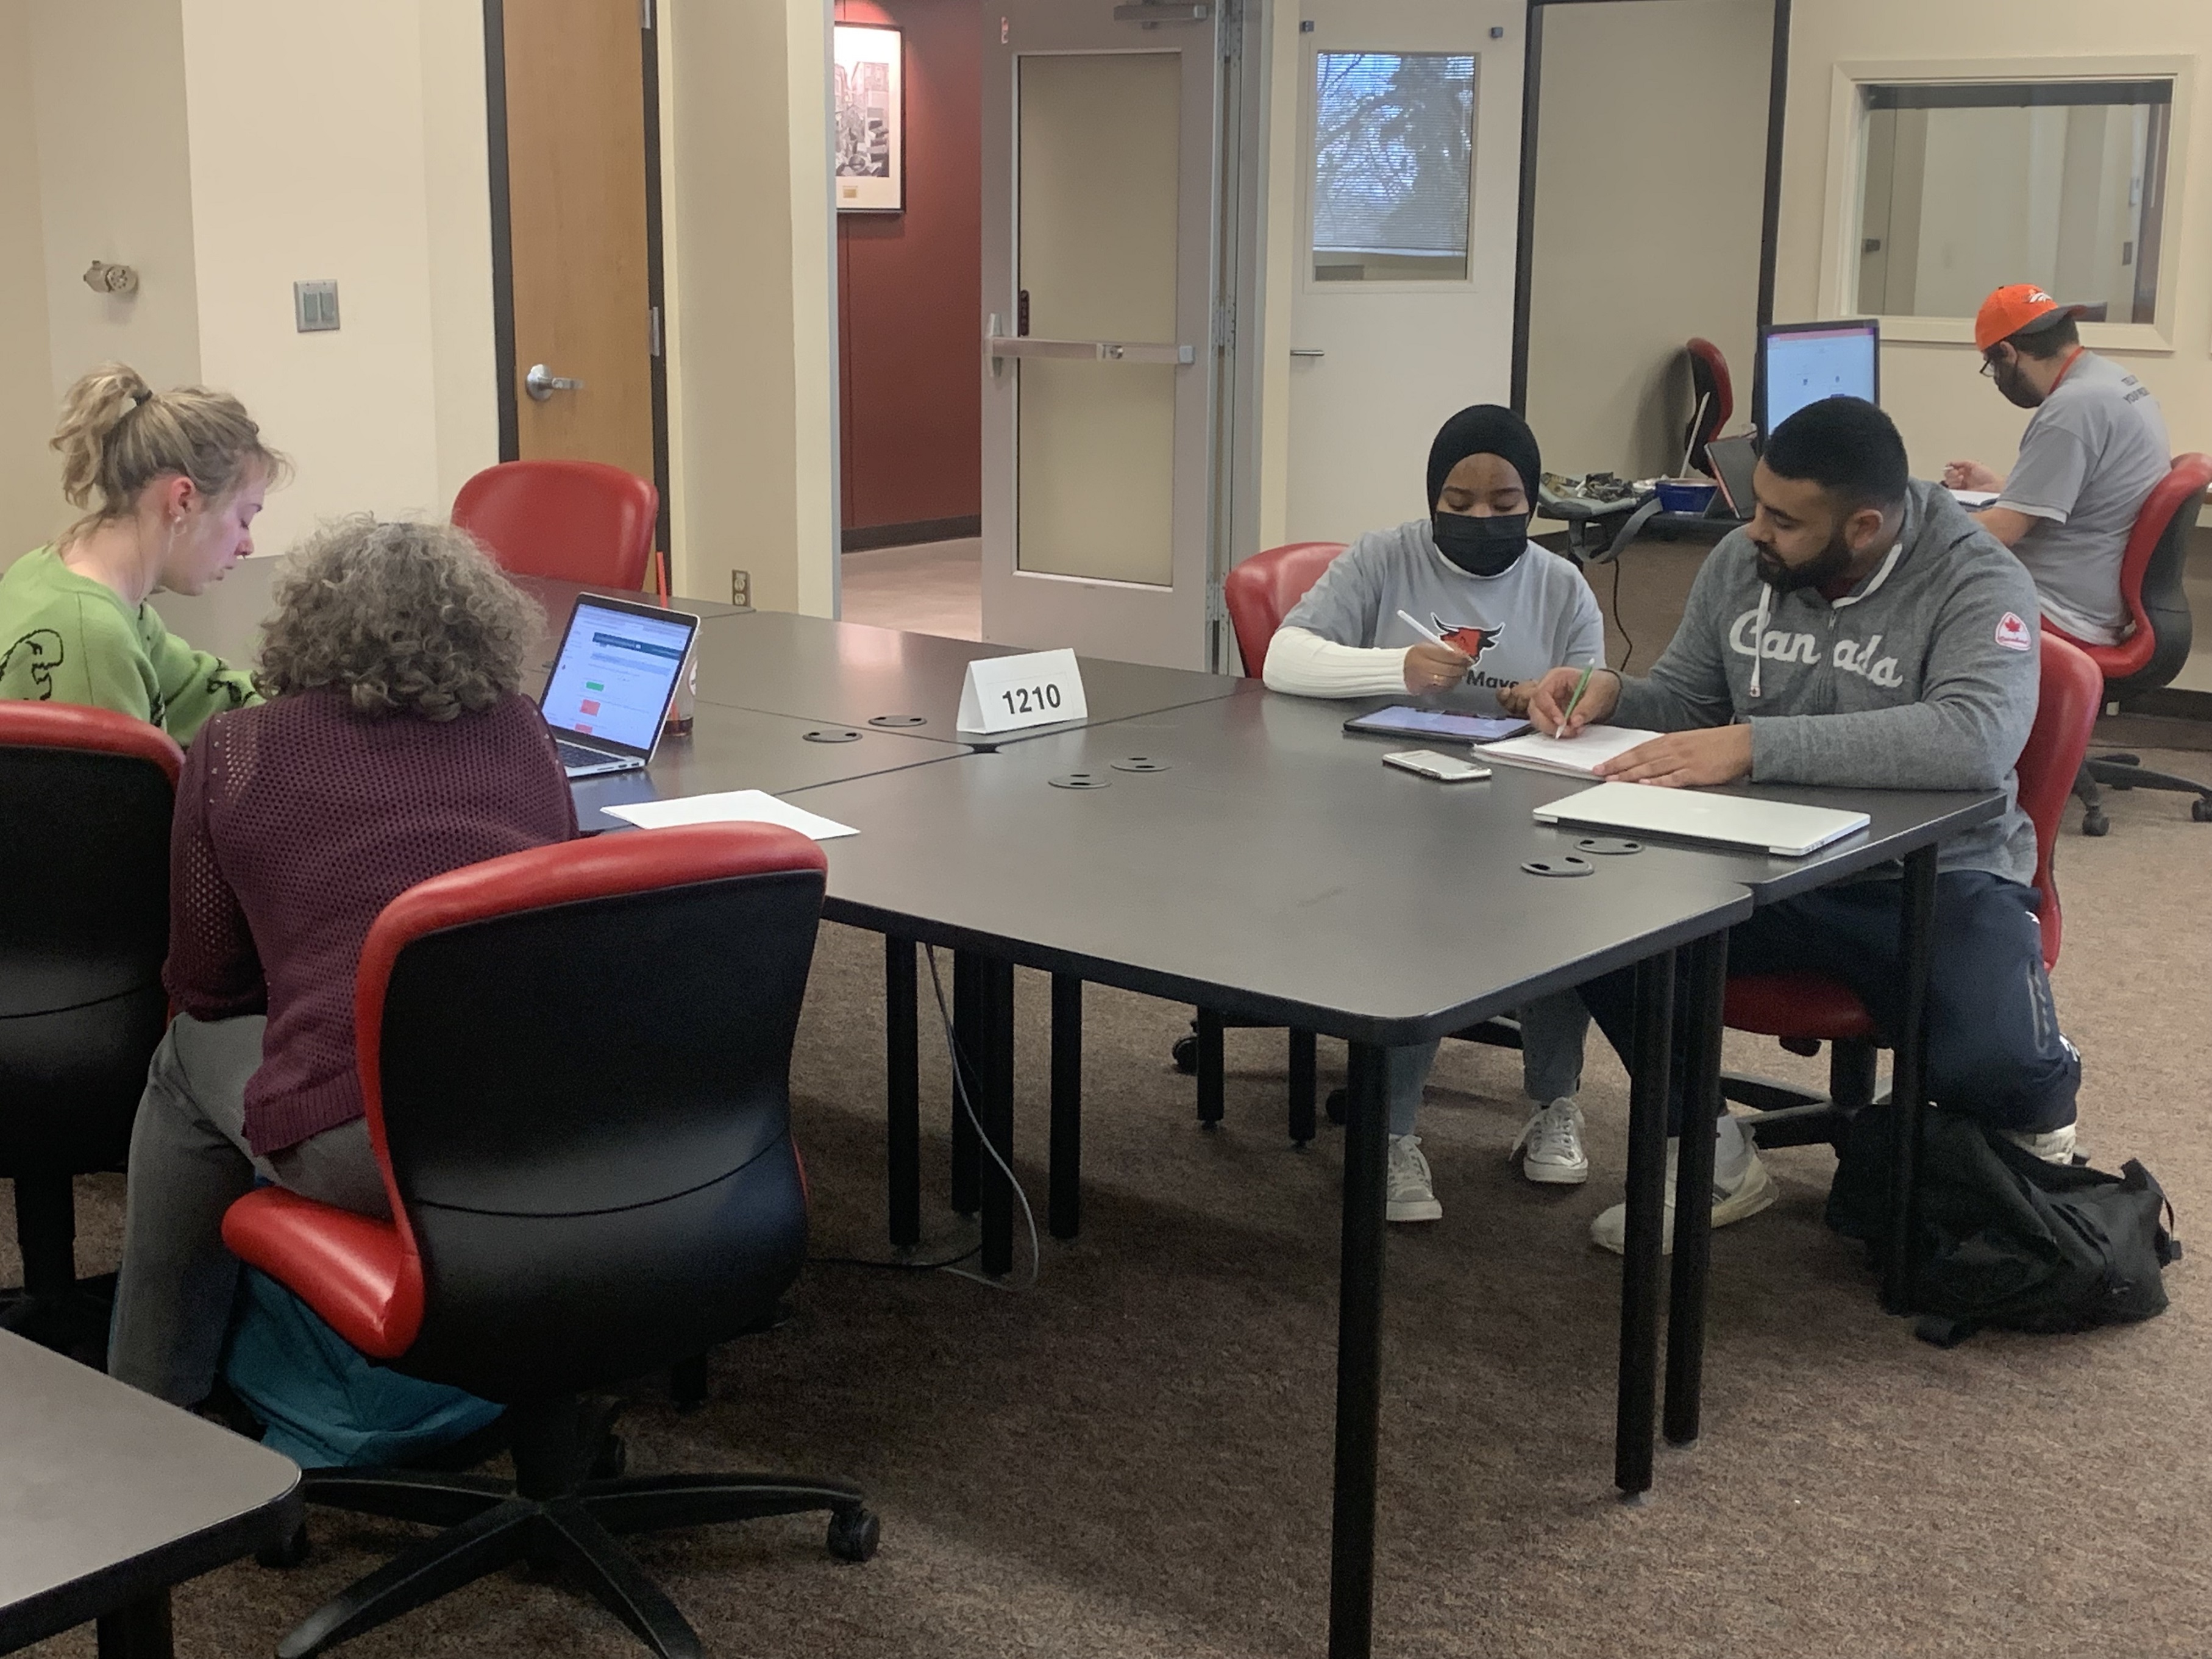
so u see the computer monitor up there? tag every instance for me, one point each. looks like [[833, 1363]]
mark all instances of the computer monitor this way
[[1801, 363]]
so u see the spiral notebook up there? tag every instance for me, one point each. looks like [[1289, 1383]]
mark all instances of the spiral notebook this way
[[1578, 756]]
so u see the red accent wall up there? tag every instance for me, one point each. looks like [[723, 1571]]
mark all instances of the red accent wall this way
[[909, 288]]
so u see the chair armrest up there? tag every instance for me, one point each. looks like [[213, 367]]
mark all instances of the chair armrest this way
[[360, 1274]]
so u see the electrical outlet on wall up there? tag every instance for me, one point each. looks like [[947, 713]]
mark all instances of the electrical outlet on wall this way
[[741, 588]]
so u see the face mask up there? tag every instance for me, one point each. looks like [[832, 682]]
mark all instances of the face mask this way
[[1482, 547]]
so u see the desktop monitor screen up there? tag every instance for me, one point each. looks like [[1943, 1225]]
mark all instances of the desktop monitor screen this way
[[1803, 363]]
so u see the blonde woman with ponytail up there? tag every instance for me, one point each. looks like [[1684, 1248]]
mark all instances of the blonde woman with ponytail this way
[[172, 481]]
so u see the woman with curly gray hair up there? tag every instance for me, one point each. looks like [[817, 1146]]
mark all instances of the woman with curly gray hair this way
[[396, 744]]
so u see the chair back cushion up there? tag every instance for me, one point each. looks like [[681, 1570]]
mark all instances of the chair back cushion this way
[[575, 1061], [86, 798], [2065, 711], [1709, 380], [576, 522], [1261, 591], [2151, 585]]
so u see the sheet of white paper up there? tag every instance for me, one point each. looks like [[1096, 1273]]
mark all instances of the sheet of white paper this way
[[1578, 756], [731, 806], [1973, 500]]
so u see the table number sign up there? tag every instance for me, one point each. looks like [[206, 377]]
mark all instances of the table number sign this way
[[1009, 694]]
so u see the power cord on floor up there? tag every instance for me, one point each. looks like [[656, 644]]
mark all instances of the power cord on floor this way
[[961, 1093], [890, 1266]]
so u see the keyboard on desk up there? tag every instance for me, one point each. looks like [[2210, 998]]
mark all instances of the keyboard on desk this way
[[575, 757]]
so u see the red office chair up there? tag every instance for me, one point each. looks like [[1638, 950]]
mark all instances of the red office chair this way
[[575, 521], [86, 797], [1806, 1009], [1712, 400], [2154, 651], [591, 1173], [1261, 591]]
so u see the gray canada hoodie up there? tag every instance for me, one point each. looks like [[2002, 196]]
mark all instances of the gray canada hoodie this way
[[1924, 676]]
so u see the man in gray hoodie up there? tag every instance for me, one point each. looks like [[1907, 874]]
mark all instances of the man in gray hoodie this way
[[1861, 630]]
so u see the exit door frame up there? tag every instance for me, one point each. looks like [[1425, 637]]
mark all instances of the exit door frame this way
[[502, 247]]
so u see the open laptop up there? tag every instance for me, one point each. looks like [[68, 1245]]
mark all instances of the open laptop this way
[[1780, 827], [613, 679]]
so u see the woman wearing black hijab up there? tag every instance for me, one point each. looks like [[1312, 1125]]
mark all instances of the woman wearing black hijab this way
[[1507, 610]]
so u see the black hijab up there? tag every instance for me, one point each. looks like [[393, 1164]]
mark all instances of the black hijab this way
[[1484, 429]]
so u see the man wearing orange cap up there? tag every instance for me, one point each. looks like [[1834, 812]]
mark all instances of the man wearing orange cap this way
[[2094, 449]]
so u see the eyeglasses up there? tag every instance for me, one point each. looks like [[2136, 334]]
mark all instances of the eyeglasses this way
[[1989, 369]]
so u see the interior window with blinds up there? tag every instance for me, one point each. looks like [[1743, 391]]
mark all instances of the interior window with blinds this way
[[1394, 150], [1969, 185]]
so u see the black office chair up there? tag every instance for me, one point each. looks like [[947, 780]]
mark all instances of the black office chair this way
[[592, 1176], [2154, 651], [86, 797]]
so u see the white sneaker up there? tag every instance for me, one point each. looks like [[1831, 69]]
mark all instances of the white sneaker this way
[[1746, 1192], [2053, 1146], [1550, 1149], [1411, 1196]]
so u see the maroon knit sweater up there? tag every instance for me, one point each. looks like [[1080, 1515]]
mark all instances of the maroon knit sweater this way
[[297, 821]]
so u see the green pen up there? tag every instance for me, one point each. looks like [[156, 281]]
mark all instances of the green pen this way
[[1581, 686]]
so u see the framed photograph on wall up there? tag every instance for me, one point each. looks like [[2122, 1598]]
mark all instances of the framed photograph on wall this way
[[871, 94]]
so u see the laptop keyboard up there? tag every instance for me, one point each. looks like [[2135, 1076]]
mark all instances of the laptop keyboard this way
[[575, 754]]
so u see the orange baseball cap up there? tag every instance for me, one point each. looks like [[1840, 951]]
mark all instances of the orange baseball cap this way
[[2015, 307]]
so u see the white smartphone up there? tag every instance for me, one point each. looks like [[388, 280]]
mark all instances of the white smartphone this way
[[1444, 768]]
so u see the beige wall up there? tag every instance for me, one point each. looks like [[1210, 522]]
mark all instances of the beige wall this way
[[1648, 208], [107, 84], [30, 500], [752, 378], [1930, 387], [324, 170]]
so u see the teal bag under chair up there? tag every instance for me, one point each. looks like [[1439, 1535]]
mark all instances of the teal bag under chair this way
[[325, 1405]]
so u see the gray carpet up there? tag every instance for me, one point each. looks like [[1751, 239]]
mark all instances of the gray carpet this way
[[1133, 1458]]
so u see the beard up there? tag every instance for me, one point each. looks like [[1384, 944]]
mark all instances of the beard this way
[[1823, 568], [2016, 388]]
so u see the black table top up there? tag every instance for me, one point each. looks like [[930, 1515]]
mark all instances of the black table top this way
[[107, 1494], [829, 671], [1276, 870], [744, 749]]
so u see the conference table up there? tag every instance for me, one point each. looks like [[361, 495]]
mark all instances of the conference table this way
[[109, 1497], [1202, 839]]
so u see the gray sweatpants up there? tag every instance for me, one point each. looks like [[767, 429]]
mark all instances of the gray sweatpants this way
[[1552, 1032], [188, 1164]]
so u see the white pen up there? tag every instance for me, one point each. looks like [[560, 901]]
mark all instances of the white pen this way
[[1413, 623]]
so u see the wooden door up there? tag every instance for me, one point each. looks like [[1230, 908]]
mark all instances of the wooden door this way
[[579, 264]]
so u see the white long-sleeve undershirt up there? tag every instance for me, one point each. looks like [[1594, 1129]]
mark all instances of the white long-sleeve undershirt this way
[[1305, 665]]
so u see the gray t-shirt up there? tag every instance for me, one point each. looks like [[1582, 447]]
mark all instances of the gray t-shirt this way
[[2091, 455], [1534, 615]]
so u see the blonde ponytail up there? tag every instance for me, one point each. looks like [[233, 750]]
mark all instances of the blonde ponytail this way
[[118, 434]]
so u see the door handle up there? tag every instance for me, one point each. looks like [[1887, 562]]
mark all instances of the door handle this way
[[1308, 351], [542, 383], [1111, 351]]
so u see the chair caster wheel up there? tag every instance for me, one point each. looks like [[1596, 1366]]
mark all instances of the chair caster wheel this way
[[292, 1553], [2096, 823], [854, 1533], [2201, 809], [1185, 1056], [611, 1459], [1335, 1105]]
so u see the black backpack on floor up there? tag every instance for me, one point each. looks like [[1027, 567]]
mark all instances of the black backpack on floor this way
[[2007, 1239]]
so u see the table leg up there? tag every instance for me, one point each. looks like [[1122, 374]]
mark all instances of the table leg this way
[[138, 1630], [1359, 1358], [1647, 1198], [967, 1040], [1304, 1088], [1908, 1094], [903, 1081], [1210, 1082], [1066, 1206], [996, 1065], [1703, 992]]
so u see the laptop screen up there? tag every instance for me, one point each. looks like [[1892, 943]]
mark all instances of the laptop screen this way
[[616, 669]]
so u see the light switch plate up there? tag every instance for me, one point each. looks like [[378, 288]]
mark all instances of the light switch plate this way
[[315, 306]]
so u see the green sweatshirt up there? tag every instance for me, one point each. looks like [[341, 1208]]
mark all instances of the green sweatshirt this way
[[66, 638]]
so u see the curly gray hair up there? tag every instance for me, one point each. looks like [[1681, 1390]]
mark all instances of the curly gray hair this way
[[404, 618]]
